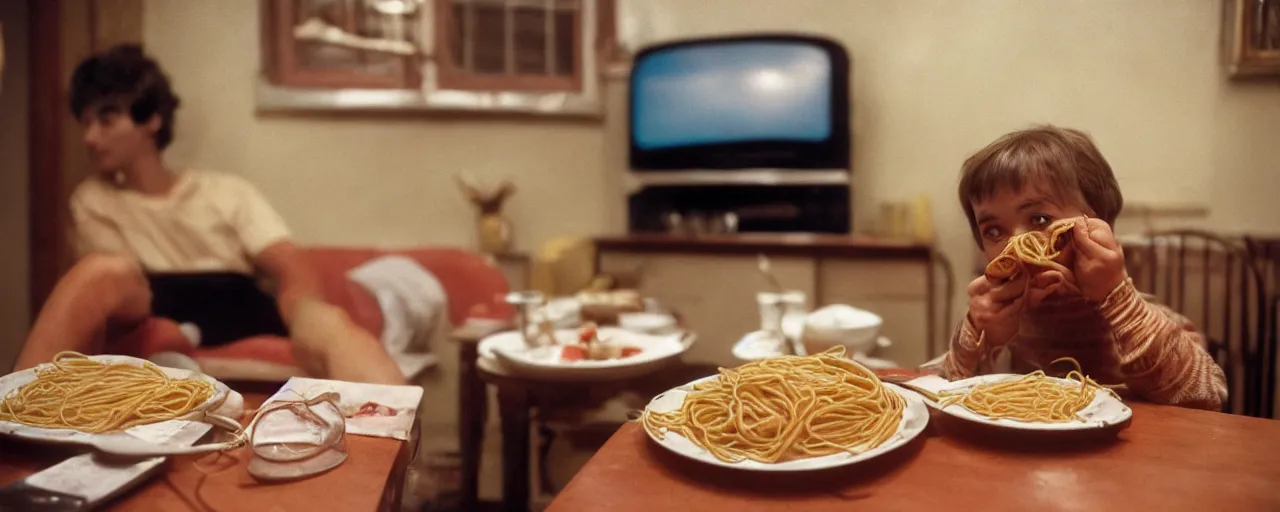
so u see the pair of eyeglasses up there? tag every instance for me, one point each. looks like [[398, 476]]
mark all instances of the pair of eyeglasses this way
[[314, 443]]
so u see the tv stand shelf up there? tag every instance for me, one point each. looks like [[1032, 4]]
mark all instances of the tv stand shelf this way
[[771, 244], [712, 280]]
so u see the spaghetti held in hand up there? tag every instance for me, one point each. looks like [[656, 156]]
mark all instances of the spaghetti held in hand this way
[[786, 408], [78, 393], [1034, 398], [1035, 248]]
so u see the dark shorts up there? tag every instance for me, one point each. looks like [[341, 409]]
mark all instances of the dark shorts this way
[[226, 306]]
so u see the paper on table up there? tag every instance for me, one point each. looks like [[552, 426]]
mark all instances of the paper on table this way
[[369, 409], [184, 432], [97, 479], [87, 476], [932, 383], [170, 432]]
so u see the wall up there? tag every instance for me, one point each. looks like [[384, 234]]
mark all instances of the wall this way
[[14, 310], [380, 180], [934, 80]]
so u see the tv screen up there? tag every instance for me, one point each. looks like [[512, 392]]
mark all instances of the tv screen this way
[[743, 102]]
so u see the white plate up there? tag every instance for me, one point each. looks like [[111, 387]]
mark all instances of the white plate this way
[[757, 345], [649, 323], [508, 349], [1103, 412], [915, 416], [176, 432]]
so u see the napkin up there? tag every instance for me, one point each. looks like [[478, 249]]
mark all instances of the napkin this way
[[374, 410]]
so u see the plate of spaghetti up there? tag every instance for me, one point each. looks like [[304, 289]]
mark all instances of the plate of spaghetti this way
[[790, 413], [108, 400], [1034, 401]]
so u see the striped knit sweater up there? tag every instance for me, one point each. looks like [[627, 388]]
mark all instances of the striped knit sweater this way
[[1153, 351]]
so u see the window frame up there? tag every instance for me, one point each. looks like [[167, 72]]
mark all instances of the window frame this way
[[282, 66], [451, 76], [598, 57]]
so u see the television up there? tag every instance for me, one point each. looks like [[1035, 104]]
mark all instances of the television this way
[[768, 101]]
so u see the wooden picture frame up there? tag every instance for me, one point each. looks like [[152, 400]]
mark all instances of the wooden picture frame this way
[[1251, 38]]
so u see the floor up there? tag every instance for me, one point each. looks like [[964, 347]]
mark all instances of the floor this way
[[434, 479]]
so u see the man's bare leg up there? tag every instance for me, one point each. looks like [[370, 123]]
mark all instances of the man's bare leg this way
[[97, 290], [329, 345]]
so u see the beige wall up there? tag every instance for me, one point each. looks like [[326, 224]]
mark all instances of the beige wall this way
[[934, 80], [381, 180], [14, 311]]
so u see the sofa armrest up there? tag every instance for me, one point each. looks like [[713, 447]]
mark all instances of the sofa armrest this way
[[474, 331]]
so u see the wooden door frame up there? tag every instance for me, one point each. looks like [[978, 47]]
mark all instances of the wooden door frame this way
[[62, 33], [46, 213]]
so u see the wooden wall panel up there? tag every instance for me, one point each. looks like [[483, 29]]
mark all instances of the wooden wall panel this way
[[63, 33]]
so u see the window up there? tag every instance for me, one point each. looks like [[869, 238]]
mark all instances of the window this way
[[341, 44], [510, 44], [490, 54]]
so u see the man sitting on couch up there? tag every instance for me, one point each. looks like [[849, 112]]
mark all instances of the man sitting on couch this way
[[182, 245]]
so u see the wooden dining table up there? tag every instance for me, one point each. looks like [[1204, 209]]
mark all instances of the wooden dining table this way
[[371, 479], [1167, 458]]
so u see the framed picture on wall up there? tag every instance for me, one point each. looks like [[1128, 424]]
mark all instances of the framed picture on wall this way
[[1251, 37]]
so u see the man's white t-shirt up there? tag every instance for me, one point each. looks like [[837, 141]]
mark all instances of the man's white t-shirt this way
[[208, 222]]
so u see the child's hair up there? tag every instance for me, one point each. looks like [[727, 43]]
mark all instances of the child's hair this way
[[1060, 161], [124, 79]]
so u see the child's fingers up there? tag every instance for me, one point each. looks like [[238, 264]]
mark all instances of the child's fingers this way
[[1100, 232], [1009, 290], [1084, 243], [1037, 295], [980, 286], [1008, 310], [1046, 279]]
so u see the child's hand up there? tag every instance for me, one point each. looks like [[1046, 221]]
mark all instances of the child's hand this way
[[1099, 262], [995, 309], [1049, 282]]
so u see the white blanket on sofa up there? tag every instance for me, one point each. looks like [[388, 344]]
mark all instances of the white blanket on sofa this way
[[414, 308]]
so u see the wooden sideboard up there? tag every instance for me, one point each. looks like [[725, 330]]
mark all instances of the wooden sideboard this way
[[713, 280]]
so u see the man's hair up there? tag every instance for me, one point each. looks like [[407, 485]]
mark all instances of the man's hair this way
[[123, 78], [1060, 161]]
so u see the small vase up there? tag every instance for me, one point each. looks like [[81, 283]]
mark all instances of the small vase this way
[[495, 233]]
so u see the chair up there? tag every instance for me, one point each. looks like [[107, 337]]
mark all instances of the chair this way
[[1265, 252], [1213, 281], [940, 306]]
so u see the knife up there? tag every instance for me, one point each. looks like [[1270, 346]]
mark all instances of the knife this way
[[21, 497]]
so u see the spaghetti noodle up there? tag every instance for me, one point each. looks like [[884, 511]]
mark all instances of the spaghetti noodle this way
[[78, 393], [1036, 248], [1034, 398], [785, 408]]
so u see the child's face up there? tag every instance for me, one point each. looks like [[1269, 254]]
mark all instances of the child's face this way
[[1011, 212]]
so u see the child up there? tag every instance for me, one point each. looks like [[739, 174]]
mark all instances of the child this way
[[1089, 310], [182, 245]]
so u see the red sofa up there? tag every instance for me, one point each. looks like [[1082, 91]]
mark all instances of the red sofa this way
[[474, 287]]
